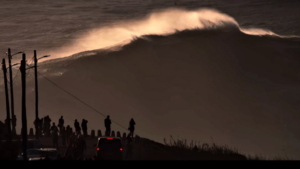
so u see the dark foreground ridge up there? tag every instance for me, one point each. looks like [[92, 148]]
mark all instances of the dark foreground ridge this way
[[143, 149]]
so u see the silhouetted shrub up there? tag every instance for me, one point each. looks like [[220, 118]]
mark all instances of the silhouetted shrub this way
[[222, 152]]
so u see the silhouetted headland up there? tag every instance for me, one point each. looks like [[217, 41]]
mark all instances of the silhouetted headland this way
[[80, 147]]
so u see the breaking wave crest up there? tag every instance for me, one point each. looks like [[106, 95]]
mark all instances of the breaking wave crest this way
[[164, 22]]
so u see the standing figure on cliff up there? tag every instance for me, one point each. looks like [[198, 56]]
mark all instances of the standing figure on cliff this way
[[107, 124], [54, 130], [14, 124], [84, 127], [37, 125], [63, 134], [131, 127], [77, 126], [48, 125], [68, 133], [61, 122], [42, 125]]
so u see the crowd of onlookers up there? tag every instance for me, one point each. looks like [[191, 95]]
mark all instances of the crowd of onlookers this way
[[73, 141]]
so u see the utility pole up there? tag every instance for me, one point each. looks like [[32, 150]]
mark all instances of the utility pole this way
[[36, 99], [11, 92], [7, 101], [24, 118]]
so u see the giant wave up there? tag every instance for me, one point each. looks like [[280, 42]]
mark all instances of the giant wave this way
[[162, 22], [218, 82]]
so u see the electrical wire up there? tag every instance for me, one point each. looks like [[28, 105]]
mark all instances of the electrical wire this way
[[97, 110], [80, 100]]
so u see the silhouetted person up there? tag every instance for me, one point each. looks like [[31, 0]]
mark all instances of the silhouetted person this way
[[5, 128], [75, 149], [48, 124], [68, 133], [14, 123], [131, 127], [129, 146], [37, 124], [68, 151], [42, 125], [72, 139], [45, 126], [107, 123], [63, 134], [77, 126], [195, 148], [61, 123], [54, 130], [84, 127], [81, 146]]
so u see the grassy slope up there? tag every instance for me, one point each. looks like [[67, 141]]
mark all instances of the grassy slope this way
[[145, 149]]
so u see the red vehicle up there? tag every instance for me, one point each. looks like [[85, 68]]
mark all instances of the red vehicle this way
[[109, 148]]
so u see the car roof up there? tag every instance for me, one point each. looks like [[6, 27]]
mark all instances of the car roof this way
[[43, 149], [48, 149], [105, 137], [36, 158], [15, 140]]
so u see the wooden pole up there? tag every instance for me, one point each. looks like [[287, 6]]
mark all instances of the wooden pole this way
[[11, 92], [36, 98], [7, 101], [24, 118]]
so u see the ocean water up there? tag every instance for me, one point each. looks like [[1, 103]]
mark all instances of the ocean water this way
[[226, 70]]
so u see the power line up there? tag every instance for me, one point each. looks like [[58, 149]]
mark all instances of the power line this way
[[93, 108], [99, 111], [16, 76], [31, 60], [19, 71], [80, 100], [83, 102]]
